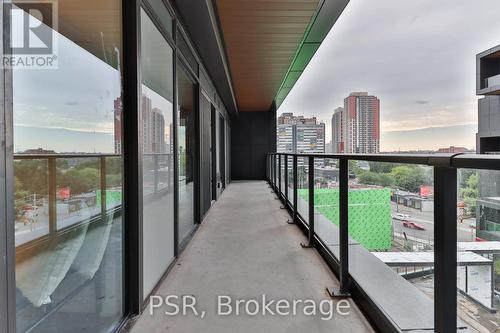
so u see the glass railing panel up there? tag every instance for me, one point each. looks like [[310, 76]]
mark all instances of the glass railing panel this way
[[276, 170], [31, 200], [493, 81], [478, 249], [114, 189], [326, 200], [303, 187], [289, 180], [282, 172], [391, 228], [77, 191]]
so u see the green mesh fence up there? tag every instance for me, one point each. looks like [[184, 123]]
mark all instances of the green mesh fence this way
[[113, 197], [370, 221]]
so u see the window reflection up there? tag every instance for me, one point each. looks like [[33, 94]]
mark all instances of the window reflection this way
[[67, 140]]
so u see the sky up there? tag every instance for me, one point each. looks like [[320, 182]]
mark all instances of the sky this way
[[68, 109], [71, 108], [417, 56]]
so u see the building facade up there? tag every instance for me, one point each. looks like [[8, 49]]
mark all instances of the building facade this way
[[361, 123], [453, 150], [310, 138], [338, 137], [488, 142], [297, 134], [488, 134]]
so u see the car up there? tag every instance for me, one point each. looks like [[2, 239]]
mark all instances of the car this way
[[401, 217], [413, 225]]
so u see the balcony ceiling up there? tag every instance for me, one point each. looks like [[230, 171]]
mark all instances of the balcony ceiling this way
[[261, 38], [93, 25]]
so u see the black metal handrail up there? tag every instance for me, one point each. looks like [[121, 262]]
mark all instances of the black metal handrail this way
[[445, 232]]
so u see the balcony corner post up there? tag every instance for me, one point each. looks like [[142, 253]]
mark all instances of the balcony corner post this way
[[445, 249]]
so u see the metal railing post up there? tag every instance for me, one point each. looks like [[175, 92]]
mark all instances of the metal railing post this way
[[103, 186], [279, 175], [52, 195], [286, 180], [295, 190], [274, 172], [310, 203], [445, 249], [267, 168], [344, 225], [343, 231]]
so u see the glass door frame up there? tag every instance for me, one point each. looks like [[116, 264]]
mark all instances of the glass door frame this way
[[154, 16], [7, 233], [182, 64]]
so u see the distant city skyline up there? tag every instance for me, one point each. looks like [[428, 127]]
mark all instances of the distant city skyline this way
[[420, 61]]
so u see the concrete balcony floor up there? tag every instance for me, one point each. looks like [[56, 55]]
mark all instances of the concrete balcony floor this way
[[245, 249]]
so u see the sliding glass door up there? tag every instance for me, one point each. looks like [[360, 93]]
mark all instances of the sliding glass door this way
[[156, 114], [67, 115], [187, 152]]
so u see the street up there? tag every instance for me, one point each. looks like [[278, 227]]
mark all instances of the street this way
[[426, 219]]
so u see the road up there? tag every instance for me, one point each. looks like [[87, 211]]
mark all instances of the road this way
[[464, 232]]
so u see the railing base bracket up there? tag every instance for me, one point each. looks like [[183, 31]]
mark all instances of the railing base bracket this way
[[290, 222], [336, 293], [306, 246]]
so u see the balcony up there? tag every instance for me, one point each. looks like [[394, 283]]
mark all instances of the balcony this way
[[493, 81], [245, 249], [361, 227], [488, 72]]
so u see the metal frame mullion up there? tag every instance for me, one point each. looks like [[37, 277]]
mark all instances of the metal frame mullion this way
[[7, 232], [132, 158], [445, 249]]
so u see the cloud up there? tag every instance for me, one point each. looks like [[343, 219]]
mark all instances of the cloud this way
[[429, 138], [419, 60]]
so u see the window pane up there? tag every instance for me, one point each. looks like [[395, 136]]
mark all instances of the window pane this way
[[67, 123]]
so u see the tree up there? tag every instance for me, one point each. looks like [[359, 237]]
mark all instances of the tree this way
[[469, 193], [19, 192], [375, 178], [409, 178], [382, 167], [80, 180]]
